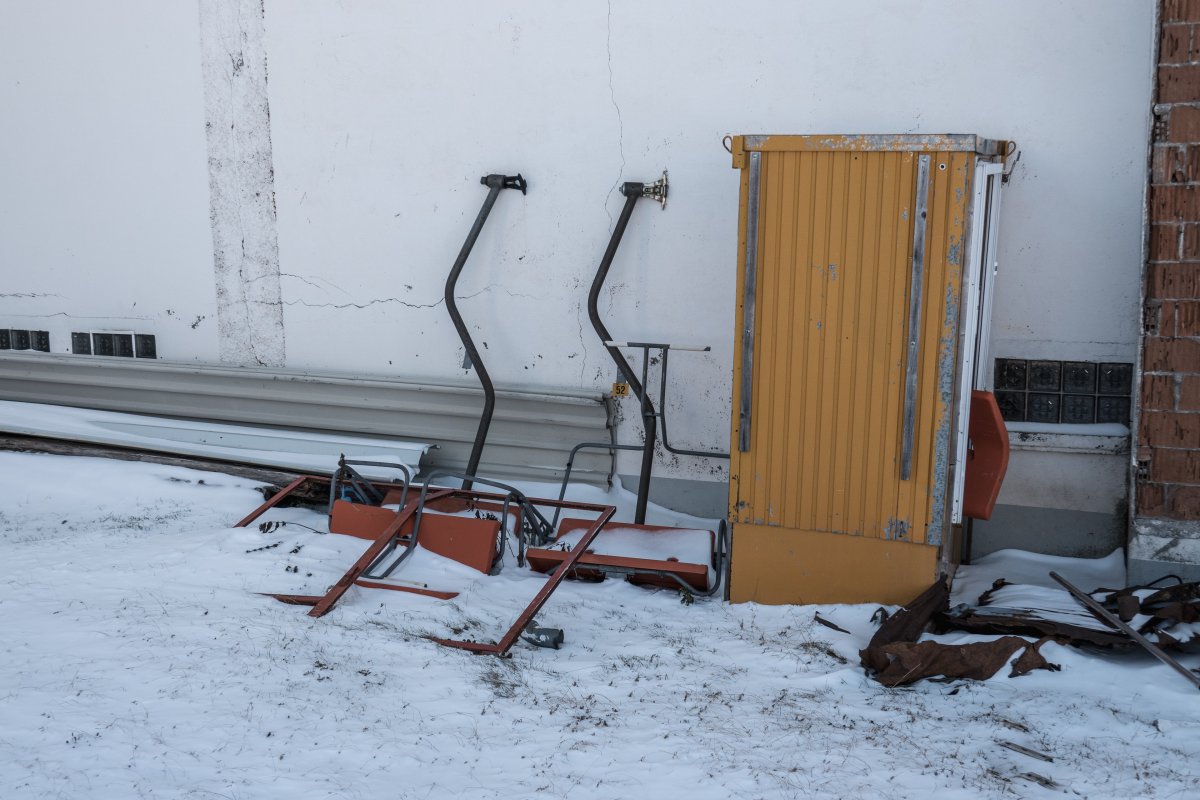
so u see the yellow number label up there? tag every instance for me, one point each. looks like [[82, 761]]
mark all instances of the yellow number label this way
[[620, 390]]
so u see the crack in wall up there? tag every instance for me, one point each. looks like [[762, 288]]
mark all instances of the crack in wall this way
[[28, 294], [612, 96], [405, 303], [303, 279], [582, 343]]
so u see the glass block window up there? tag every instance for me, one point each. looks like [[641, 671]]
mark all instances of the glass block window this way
[[1063, 392], [119, 344]]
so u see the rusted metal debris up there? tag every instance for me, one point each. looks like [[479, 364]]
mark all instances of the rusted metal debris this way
[[909, 662], [895, 657], [1107, 616], [1026, 622], [1177, 603], [906, 625], [1155, 609]]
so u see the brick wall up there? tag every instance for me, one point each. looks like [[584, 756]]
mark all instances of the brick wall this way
[[1168, 476]]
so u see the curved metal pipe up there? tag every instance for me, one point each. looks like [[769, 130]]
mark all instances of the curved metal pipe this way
[[366, 490], [495, 184], [632, 192], [662, 414], [611, 447]]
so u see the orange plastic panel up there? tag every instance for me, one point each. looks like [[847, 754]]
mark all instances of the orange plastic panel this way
[[362, 521], [987, 461], [466, 540]]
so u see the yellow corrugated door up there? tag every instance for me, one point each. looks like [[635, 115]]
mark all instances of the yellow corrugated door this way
[[820, 412]]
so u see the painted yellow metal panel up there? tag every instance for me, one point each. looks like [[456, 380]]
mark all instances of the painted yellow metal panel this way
[[826, 380], [888, 142], [813, 567]]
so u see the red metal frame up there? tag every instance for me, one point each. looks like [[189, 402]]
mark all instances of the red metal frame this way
[[509, 639], [278, 498], [367, 558], [440, 595], [294, 599], [493, 501]]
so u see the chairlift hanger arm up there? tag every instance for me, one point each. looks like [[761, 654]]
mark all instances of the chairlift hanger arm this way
[[496, 184], [633, 192]]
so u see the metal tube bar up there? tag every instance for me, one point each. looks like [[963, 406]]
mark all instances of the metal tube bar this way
[[403, 468], [275, 500], [696, 348], [662, 416], [495, 184], [357, 482], [916, 289], [506, 642], [385, 538], [632, 192], [562, 489], [537, 521], [1107, 616]]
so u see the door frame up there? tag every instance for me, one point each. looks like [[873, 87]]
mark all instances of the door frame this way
[[978, 291]]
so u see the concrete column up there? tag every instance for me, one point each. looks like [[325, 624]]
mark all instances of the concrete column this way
[[241, 183]]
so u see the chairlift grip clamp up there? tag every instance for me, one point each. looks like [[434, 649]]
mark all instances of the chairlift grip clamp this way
[[506, 182], [654, 191]]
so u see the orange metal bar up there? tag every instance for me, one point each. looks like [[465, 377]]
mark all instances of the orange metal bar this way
[[295, 599], [276, 499], [364, 562], [544, 559], [440, 595], [509, 639], [695, 575]]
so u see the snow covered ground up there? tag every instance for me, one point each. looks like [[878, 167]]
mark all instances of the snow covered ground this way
[[140, 662]]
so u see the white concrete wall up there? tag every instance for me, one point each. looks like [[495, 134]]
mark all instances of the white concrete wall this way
[[385, 114], [104, 218]]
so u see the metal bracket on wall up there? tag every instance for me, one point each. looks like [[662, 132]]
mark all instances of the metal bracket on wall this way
[[657, 190], [915, 300], [749, 290]]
